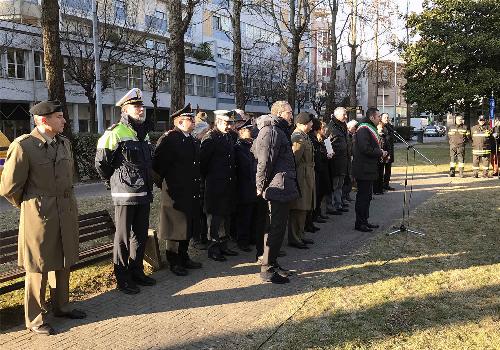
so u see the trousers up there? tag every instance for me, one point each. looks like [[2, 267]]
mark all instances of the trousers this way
[[363, 199], [278, 217], [132, 223]]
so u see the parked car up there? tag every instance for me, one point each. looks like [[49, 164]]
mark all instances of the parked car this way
[[441, 129], [431, 131]]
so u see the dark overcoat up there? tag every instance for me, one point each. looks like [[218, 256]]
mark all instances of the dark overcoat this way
[[366, 152], [218, 170], [246, 166], [338, 137], [177, 162], [321, 167]]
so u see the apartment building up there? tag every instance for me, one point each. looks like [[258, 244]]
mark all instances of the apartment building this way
[[209, 82]]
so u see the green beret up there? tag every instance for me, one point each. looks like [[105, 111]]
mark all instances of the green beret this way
[[46, 107]]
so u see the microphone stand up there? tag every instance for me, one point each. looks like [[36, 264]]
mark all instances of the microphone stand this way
[[405, 220]]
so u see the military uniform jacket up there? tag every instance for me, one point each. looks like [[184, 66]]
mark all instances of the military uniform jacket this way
[[124, 160], [177, 162], [458, 135], [481, 139], [303, 152], [38, 178], [218, 170]]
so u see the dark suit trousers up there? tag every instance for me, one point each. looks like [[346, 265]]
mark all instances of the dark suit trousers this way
[[387, 174], [244, 217], [132, 223], [363, 199], [278, 213], [260, 224], [378, 185]]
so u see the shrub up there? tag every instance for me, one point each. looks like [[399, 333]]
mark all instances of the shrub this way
[[84, 149], [405, 132]]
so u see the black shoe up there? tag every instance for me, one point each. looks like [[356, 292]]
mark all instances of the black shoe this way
[[228, 252], [363, 228], [271, 275], [74, 314], [282, 271], [319, 220], [178, 270], [336, 212], [244, 248], [128, 287], [307, 241], [332, 212], [216, 256], [475, 175], [143, 280], [44, 329], [372, 225], [343, 210], [298, 245], [281, 254], [190, 264], [311, 229]]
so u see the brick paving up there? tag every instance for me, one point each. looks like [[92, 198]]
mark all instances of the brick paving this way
[[223, 305]]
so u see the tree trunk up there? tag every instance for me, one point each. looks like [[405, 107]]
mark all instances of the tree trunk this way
[[352, 71], [92, 112], [154, 101], [330, 92], [294, 68], [177, 55], [53, 59], [238, 77]]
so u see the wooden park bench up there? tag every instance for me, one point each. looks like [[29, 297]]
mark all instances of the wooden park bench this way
[[92, 226]]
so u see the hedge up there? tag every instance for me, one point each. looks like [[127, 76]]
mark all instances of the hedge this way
[[84, 150]]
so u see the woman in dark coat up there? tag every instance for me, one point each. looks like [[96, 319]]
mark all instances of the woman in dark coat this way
[[321, 168], [378, 185]]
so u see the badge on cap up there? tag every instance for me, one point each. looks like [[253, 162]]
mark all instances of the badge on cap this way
[[223, 114], [184, 112], [134, 96]]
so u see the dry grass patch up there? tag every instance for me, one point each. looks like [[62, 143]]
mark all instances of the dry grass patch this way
[[441, 291]]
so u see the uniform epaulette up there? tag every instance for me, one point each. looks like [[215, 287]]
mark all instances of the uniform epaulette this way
[[22, 138]]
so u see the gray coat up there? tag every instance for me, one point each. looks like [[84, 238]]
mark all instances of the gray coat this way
[[276, 176]]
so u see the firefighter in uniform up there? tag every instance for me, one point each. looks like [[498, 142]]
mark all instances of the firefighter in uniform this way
[[458, 136], [123, 160], [481, 147], [177, 162], [496, 147]]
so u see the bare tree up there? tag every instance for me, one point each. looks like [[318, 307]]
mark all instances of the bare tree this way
[[52, 57], [291, 20], [118, 43], [180, 14]]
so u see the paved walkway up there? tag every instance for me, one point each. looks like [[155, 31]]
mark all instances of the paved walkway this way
[[223, 305]]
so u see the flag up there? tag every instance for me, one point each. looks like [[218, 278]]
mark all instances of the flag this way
[[492, 111]]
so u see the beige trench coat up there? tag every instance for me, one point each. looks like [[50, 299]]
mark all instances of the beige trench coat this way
[[303, 152], [38, 178], [173, 224]]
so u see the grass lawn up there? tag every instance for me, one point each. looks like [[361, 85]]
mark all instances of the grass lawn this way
[[441, 291]]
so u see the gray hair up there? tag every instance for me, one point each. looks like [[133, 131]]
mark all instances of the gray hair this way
[[352, 124], [339, 111]]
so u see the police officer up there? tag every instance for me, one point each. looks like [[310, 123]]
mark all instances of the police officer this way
[[123, 160], [177, 162], [458, 136], [481, 147], [38, 178], [219, 173]]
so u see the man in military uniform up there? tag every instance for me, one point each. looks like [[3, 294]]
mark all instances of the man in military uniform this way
[[177, 162], [38, 178], [123, 160], [458, 136], [481, 147], [218, 170]]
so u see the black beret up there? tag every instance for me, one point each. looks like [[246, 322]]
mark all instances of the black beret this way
[[186, 111], [303, 118], [316, 124], [46, 107]]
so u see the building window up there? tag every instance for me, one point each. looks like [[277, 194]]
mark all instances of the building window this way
[[120, 10], [39, 66], [225, 83], [189, 84], [216, 23], [83, 125], [205, 86], [121, 76], [135, 77], [158, 21], [16, 64], [221, 83], [165, 84]]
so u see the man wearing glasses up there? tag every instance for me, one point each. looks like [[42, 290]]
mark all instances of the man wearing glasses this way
[[123, 160], [177, 162]]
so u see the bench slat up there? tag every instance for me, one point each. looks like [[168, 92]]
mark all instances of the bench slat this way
[[94, 235], [95, 228], [12, 274], [89, 222], [8, 249], [8, 240], [93, 215], [8, 257], [10, 233]]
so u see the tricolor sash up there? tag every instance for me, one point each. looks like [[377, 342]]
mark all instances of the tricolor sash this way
[[372, 131]]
